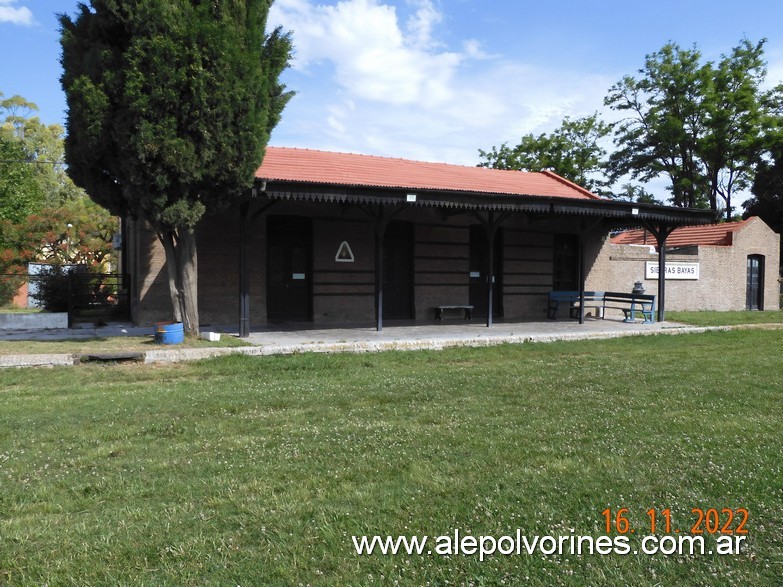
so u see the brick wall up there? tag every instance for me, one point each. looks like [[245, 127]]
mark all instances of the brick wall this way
[[344, 292], [20, 297], [441, 262], [527, 271]]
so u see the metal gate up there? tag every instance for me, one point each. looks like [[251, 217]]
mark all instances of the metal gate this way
[[98, 297]]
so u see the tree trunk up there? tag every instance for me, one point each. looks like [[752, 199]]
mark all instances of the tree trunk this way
[[182, 270], [188, 270], [167, 240]]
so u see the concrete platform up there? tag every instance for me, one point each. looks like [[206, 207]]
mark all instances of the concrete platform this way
[[454, 333], [288, 339]]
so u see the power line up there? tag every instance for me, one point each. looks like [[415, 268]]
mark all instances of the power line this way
[[35, 161]]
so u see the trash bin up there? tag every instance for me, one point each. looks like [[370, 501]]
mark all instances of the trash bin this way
[[169, 333]]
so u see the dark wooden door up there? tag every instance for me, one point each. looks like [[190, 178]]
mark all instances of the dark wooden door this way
[[398, 271], [477, 289], [754, 290], [289, 269]]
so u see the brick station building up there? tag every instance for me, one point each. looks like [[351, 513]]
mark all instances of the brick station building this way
[[727, 266], [341, 238]]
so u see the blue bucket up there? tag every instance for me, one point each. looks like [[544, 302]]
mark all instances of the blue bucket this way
[[169, 333]]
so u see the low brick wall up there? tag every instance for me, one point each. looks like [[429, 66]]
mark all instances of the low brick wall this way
[[33, 321]]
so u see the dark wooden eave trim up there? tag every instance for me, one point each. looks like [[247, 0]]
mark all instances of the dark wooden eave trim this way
[[623, 214]]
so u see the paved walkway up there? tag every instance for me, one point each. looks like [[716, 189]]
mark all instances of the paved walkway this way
[[286, 340]]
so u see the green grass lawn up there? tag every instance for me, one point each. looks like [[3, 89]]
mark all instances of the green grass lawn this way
[[258, 471], [708, 318]]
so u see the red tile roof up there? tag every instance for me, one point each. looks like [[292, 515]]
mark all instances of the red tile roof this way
[[708, 234], [346, 169]]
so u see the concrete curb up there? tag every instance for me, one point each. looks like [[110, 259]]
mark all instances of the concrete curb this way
[[169, 356], [50, 360], [174, 356]]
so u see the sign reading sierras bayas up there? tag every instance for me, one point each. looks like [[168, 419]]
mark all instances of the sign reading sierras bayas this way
[[673, 270]]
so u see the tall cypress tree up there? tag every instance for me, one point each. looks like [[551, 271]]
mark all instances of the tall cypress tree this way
[[170, 106]]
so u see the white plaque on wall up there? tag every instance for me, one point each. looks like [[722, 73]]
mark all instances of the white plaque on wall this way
[[673, 270]]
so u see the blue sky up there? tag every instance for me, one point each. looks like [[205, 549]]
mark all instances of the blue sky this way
[[435, 79]]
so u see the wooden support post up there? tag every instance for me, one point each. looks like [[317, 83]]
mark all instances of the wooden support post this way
[[582, 278], [71, 293], [584, 229], [491, 225], [662, 276], [382, 218], [491, 228], [244, 278], [380, 232], [661, 232]]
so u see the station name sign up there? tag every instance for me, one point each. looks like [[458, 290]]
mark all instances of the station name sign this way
[[673, 270]]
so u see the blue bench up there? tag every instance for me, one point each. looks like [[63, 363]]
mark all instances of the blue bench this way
[[629, 303], [571, 300]]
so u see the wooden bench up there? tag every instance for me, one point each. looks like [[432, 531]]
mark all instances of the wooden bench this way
[[468, 310], [629, 303], [571, 300]]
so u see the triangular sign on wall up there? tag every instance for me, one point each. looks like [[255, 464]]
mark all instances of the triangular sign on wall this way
[[344, 253]]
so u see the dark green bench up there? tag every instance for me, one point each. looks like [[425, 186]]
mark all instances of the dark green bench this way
[[629, 303]]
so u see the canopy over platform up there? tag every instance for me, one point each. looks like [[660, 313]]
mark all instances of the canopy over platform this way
[[302, 174]]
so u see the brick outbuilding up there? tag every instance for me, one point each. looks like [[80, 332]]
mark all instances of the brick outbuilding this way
[[726, 266]]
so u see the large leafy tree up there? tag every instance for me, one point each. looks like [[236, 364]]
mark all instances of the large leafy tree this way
[[573, 151], [664, 122], [170, 106], [44, 217], [767, 200], [767, 189], [19, 192], [77, 232], [696, 122], [40, 147], [738, 122]]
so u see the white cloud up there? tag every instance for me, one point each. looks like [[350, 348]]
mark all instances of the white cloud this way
[[472, 48], [774, 69], [373, 58], [378, 83], [15, 15], [422, 23]]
